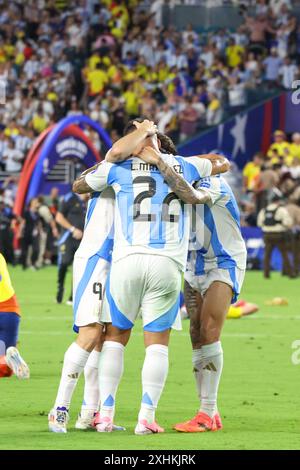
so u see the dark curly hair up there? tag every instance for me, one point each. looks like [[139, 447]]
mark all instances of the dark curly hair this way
[[167, 144]]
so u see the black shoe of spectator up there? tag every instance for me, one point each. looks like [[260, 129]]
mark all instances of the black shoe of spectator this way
[[59, 296]]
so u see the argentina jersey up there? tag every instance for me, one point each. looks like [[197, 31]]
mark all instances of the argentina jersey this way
[[215, 239], [92, 259], [98, 231], [149, 217]]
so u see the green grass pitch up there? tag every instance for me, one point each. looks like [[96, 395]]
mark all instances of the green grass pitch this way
[[259, 394]]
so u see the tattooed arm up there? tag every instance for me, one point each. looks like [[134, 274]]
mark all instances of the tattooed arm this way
[[177, 183], [80, 186]]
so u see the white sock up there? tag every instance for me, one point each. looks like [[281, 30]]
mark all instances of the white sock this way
[[110, 374], [74, 361], [208, 364], [154, 374], [91, 395]]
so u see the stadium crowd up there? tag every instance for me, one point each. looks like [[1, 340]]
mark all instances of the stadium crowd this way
[[115, 60]]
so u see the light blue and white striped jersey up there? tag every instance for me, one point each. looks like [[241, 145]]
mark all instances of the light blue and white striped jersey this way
[[149, 218], [98, 232], [215, 238]]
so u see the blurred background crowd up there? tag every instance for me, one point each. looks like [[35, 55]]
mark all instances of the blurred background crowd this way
[[114, 60]]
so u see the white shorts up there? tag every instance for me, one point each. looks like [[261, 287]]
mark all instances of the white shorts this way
[[234, 277], [149, 284], [89, 280]]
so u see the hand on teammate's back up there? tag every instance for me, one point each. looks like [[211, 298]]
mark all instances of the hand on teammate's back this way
[[149, 155], [147, 126]]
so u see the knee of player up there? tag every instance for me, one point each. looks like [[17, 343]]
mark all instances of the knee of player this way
[[89, 337]]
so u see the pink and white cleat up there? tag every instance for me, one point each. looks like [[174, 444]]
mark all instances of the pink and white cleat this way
[[96, 418], [143, 427], [104, 424]]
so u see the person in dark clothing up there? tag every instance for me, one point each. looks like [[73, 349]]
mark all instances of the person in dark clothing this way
[[276, 224], [6, 233], [30, 233], [70, 217]]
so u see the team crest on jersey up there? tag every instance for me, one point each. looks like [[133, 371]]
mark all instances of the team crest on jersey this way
[[205, 183]]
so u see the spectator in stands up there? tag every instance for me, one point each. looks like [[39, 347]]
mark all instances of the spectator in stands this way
[[12, 157], [294, 146], [3, 145], [288, 73], [188, 119], [267, 179], [236, 93], [257, 28], [214, 110], [280, 144], [272, 65], [251, 172], [234, 53]]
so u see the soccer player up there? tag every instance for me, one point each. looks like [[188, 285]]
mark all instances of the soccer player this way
[[213, 280], [11, 361], [90, 269], [150, 248]]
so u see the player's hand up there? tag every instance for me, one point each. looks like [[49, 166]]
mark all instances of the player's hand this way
[[149, 155], [77, 234], [147, 126]]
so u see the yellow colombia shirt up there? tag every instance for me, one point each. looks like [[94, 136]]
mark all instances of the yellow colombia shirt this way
[[234, 55], [251, 172], [281, 147], [97, 80], [8, 299]]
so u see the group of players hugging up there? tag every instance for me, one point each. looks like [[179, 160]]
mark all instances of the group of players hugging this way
[[152, 217]]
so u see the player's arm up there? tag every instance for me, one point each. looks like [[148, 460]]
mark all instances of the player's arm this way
[[80, 186], [124, 147], [177, 183], [220, 164], [93, 179]]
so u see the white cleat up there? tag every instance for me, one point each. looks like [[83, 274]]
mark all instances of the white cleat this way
[[85, 420], [15, 361], [58, 420]]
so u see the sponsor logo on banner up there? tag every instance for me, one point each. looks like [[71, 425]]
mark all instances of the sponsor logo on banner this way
[[71, 147]]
